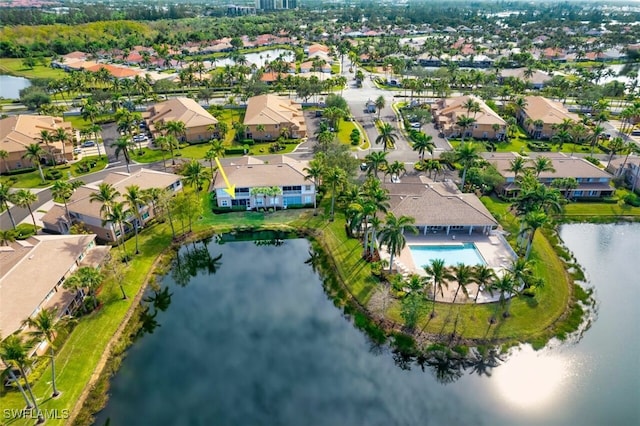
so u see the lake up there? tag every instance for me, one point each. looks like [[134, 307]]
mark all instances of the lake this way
[[250, 338], [10, 86]]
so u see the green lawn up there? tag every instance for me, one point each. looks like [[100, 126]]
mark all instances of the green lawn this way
[[588, 210], [13, 66], [344, 131], [32, 179]]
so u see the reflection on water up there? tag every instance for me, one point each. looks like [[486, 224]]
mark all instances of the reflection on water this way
[[256, 341]]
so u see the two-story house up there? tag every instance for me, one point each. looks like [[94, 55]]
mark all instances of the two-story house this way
[[82, 209], [276, 184], [540, 116], [593, 182], [269, 116], [487, 124]]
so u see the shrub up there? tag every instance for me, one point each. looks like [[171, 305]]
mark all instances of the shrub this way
[[52, 174], [233, 151], [631, 199], [19, 171], [24, 231], [593, 161], [247, 142]]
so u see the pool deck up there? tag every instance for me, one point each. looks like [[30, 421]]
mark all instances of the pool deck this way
[[493, 248]]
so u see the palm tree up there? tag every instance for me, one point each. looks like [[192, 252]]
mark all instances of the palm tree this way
[[466, 154], [375, 161], [33, 153], [85, 278], [397, 168], [542, 164], [107, 195], [387, 136], [116, 214], [507, 287], [336, 178], [314, 173], [14, 351], [517, 166], [47, 137], [463, 274], [532, 222], [45, 327], [25, 198], [135, 199], [7, 236], [63, 190], [464, 123], [5, 197], [437, 272], [63, 137], [422, 144], [392, 234], [175, 128], [380, 103], [14, 379], [195, 175], [123, 145], [483, 276]]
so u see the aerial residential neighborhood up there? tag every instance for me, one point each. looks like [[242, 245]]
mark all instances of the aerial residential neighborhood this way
[[319, 190]]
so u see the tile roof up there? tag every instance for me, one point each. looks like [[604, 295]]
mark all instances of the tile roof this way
[[181, 109], [253, 172], [438, 204], [19, 131], [565, 166], [550, 112], [271, 109], [30, 269]]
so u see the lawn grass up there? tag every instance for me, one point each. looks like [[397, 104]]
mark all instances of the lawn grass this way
[[590, 210], [13, 66], [32, 179]]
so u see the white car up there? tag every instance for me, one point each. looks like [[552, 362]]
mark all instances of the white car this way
[[77, 150]]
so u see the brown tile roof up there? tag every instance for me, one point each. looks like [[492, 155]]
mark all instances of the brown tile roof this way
[[181, 109], [116, 71], [438, 204], [453, 108], [278, 172], [30, 269], [19, 131], [272, 109], [550, 112], [565, 166]]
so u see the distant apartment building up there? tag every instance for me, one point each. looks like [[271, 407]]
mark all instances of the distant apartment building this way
[[276, 4]]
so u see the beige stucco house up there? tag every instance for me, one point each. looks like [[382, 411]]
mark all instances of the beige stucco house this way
[[278, 183], [487, 125], [81, 209], [17, 132], [540, 116], [269, 116], [32, 272], [199, 123]]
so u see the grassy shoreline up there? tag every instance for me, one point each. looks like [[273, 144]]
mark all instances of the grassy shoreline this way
[[85, 360]]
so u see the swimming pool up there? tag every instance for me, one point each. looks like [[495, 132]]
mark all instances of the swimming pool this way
[[452, 254]]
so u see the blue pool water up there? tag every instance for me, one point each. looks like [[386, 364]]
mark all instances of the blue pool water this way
[[452, 254]]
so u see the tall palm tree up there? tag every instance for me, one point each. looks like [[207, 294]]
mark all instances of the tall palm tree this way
[[507, 287], [424, 143], [33, 153], [47, 137], [63, 137], [135, 199], [464, 123], [542, 164], [336, 178], [517, 166], [5, 197], [397, 168], [483, 276], [25, 198], [380, 103], [7, 236], [463, 275], [195, 175], [117, 215], [86, 279], [532, 222], [375, 161], [387, 136], [15, 351], [45, 326], [63, 190], [314, 173], [124, 145], [437, 272], [466, 154], [175, 128], [392, 234], [13, 377], [4, 154]]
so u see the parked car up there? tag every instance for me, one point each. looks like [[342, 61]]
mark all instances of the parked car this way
[[77, 150], [363, 166], [88, 144]]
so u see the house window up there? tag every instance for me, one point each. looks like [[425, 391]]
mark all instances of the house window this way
[[145, 215], [307, 187], [224, 203]]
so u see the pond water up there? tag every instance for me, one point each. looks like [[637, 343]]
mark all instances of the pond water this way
[[10, 86], [259, 58], [250, 338]]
